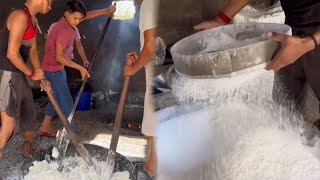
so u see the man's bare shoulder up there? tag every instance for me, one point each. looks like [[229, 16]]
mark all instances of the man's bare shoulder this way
[[18, 17]]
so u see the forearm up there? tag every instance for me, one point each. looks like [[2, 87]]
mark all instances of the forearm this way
[[316, 34], [147, 50], [308, 42], [17, 61], [67, 62], [234, 6], [95, 13], [81, 52], [34, 59], [144, 58]]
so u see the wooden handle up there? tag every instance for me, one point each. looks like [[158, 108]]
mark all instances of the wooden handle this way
[[77, 143], [117, 124]]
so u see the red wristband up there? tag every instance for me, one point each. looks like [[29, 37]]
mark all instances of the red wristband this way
[[224, 17], [31, 74]]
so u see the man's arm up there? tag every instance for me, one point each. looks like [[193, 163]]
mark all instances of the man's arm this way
[[145, 54], [34, 57], [81, 52], [17, 24], [234, 6], [292, 48], [61, 58], [107, 11], [308, 42], [316, 34], [230, 10]]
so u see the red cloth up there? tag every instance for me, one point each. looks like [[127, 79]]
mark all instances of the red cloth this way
[[30, 33]]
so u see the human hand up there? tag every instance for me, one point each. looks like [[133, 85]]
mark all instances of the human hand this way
[[111, 9], [38, 75], [131, 58], [86, 63], [216, 22], [84, 72], [128, 71], [45, 86], [292, 48]]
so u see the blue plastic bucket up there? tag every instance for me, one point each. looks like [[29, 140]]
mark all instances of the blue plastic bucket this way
[[84, 102]]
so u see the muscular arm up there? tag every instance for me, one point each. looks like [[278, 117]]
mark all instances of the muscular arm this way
[[17, 24], [81, 50], [34, 57], [147, 51], [61, 58], [234, 6]]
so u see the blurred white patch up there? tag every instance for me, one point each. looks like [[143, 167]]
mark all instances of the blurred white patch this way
[[125, 10]]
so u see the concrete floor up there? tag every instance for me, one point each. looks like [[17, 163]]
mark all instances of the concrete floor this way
[[90, 128]]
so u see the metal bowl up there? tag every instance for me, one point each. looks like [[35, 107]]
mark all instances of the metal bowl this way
[[225, 50]]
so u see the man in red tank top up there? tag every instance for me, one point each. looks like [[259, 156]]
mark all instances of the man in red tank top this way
[[16, 47]]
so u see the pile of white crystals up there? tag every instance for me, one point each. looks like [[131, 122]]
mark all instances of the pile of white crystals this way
[[232, 129], [268, 153], [74, 169]]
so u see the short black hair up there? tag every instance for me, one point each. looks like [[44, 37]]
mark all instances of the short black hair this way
[[76, 6]]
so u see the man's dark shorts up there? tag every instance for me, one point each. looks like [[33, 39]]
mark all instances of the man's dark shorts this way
[[16, 99]]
